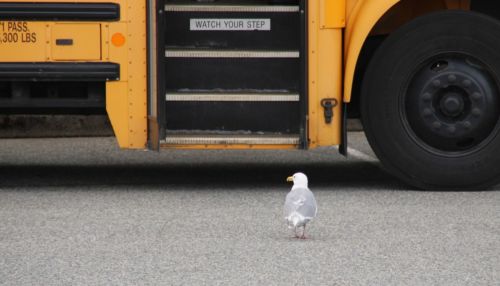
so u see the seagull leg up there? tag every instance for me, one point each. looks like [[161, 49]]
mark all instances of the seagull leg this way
[[295, 232], [304, 233]]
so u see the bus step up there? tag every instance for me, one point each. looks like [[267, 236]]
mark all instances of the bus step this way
[[271, 112], [232, 97], [233, 67], [230, 54], [232, 70], [231, 8], [235, 26], [228, 139]]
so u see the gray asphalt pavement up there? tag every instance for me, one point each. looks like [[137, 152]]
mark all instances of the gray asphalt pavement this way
[[81, 212]]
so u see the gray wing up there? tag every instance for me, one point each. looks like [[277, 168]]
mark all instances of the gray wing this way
[[302, 201]]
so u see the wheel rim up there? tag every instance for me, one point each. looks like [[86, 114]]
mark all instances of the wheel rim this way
[[451, 105]]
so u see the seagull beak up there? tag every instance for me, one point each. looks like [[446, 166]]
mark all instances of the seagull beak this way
[[289, 179]]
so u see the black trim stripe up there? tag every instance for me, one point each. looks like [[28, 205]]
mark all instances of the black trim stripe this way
[[67, 71], [304, 67], [59, 11]]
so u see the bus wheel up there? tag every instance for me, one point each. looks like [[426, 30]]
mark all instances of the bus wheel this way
[[431, 101]]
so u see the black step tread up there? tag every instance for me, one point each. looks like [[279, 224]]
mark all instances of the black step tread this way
[[238, 73], [256, 116], [238, 2]]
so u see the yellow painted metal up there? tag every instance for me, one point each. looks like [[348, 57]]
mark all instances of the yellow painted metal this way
[[325, 78], [332, 14], [117, 107], [62, 1], [363, 16], [86, 42], [117, 104], [137, 75], [126, 101], [23, 41], [126, 98]]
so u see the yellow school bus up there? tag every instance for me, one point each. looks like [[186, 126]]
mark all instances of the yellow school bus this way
[[423, 76]]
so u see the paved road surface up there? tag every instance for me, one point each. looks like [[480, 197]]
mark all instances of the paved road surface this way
[[80, 212]]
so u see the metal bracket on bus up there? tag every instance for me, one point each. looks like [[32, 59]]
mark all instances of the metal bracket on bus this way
[[328, 104]]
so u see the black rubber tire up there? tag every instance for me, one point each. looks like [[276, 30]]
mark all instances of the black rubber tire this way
[[393, 65]]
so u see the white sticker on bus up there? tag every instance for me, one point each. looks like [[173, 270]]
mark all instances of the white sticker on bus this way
[[230, 24]]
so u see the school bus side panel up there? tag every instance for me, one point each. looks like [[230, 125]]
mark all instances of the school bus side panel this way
[[126, 100], [362, 17], [115, 41], [23, 41], [326, 21]]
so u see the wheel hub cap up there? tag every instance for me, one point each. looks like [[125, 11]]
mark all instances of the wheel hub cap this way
[[452, 105]]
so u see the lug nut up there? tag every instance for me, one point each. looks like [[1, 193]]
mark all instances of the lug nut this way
[[476, 112], [436, 124], [427, 112], [466, 83], [427, 96], [477, 96], [452, 78], [452, 129], [436, 83], [466, 124]]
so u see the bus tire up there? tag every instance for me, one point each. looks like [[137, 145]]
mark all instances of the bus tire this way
[[430, 101]]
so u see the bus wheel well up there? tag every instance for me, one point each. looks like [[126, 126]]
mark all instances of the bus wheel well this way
[[396, 17]]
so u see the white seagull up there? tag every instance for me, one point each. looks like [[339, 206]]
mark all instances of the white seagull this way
[[300, 204]]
